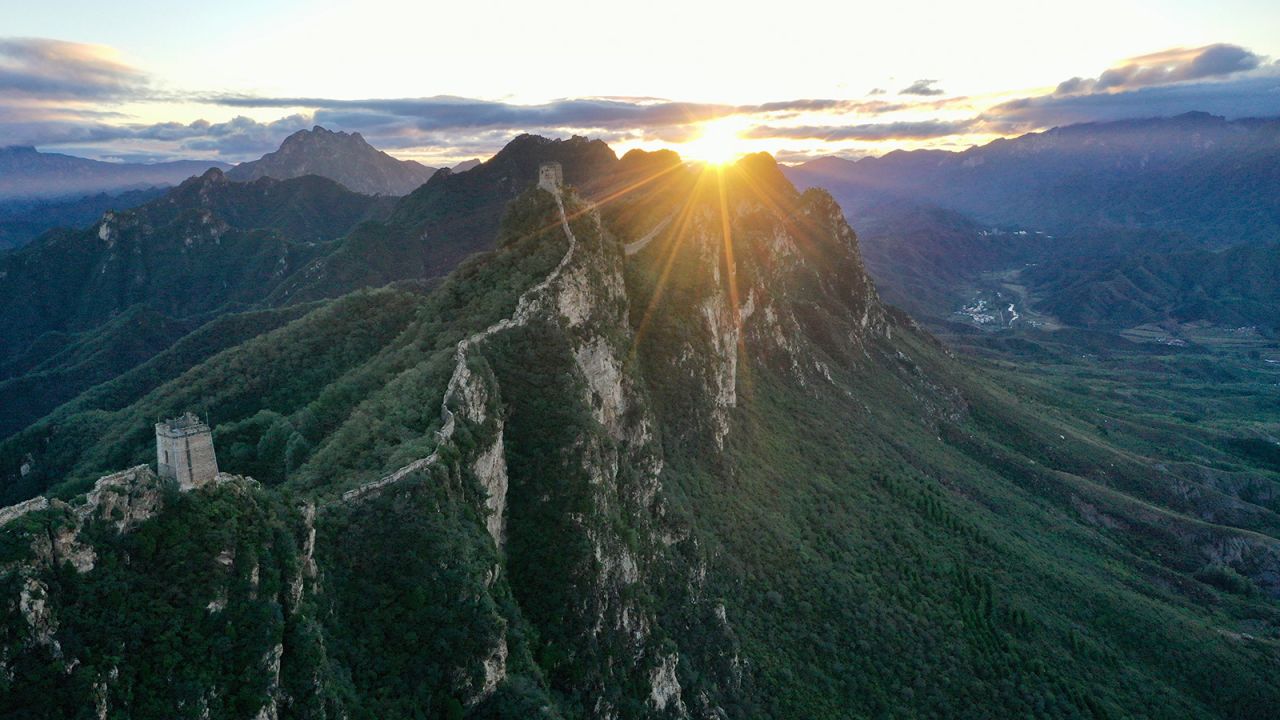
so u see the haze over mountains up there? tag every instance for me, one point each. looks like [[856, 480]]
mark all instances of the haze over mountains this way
[[1125, 221], [41, 191], [1196, 174], [26, 173]]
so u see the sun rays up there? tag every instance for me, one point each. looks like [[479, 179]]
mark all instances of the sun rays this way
[[701, 206], [720, 142]]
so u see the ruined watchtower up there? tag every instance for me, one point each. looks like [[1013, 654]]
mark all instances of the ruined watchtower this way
[[184, 451], [550, 176]]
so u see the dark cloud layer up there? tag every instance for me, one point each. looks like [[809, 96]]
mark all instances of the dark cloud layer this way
[[868, 132], [447, 113], [922, 87], [61, 94], [1171, 66], [1249, 96], [52, 69], [1221, 79], [237, 138]]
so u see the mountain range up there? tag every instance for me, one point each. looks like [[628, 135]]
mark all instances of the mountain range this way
[[149, 276], [48, 191], [1103, 225], [22, 221], [26, 173], [650, 445], [1201, 175], [1236, 287]]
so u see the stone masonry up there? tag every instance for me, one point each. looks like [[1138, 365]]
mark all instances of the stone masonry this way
[[184, 451]]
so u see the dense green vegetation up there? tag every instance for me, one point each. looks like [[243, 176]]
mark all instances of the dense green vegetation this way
[[200, 266], [142, 614], [860, 523], [1236, 287]]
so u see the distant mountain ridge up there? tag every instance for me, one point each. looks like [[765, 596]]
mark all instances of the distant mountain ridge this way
[[25, 172], [345, 158], [1118, 224], [1214, 179]]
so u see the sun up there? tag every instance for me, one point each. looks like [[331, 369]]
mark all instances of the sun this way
[[720, 142]]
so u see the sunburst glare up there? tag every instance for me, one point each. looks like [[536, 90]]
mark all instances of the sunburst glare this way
[[719, 142]]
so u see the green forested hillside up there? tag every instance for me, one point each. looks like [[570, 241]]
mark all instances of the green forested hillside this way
[[663, 455], [88, 305], [1236, 287]]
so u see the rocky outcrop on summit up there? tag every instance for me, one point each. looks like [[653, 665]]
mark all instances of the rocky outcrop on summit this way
[[342, 157]]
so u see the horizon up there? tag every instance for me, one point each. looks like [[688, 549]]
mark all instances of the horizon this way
[[728, 158], [127, 84]]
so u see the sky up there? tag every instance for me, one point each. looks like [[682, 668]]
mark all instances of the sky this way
[[144, 81]]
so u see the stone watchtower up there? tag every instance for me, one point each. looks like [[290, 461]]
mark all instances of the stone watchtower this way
[[550, 177], [184, 451]]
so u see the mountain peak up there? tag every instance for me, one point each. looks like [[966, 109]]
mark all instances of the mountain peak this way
[[340, 156], [321, 134]]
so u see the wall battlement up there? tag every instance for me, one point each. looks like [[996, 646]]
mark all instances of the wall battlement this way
[[184, 451]]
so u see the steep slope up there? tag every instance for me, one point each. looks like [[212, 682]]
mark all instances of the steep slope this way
[[28, 173], [342, 157], [1197, 174], [664, 454]]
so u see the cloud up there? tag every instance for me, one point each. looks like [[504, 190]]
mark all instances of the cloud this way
[[872, 131], [57, 70], [921, 87], [1170, 66], [1250, 95], [237, 138], [448, 112], [56, 94]]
